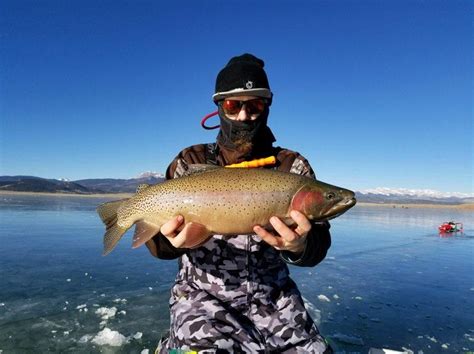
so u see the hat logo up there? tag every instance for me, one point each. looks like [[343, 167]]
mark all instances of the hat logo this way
[[249, 84]]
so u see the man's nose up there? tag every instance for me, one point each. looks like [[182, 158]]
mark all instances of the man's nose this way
[[243, 115]]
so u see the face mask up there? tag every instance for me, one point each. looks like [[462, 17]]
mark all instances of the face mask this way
[[243, 136]]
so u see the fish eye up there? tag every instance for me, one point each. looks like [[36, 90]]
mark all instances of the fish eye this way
[[330, 196]]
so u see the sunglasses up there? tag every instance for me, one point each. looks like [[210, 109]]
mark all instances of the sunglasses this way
[[252, 107]]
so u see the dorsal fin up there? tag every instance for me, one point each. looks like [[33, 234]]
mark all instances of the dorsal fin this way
[[142, 187], [200, 168]]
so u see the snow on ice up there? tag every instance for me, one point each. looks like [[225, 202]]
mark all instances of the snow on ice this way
[[323, 298], [105, 312], [109, 337]]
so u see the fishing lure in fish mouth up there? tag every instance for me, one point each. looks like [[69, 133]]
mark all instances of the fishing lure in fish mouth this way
[[212, 198]]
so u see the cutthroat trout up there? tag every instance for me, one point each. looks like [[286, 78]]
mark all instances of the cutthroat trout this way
[[221, 201]]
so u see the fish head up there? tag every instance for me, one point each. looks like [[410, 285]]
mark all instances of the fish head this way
[[321, 201]]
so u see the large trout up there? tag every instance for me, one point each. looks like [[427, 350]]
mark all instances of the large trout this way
[[221, 201]]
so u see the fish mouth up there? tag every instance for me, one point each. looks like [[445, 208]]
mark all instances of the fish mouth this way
[[340, 208]]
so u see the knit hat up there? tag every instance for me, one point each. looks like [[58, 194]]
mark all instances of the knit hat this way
[[242, 76]]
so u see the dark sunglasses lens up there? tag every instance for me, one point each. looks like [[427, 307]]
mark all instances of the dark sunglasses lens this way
[[255, 106], [231, 106]]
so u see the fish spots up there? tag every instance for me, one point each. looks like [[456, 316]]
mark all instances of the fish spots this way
[[229, 199]]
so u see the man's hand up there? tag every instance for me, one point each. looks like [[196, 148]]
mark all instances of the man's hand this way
[[191, 235], [287, 239]]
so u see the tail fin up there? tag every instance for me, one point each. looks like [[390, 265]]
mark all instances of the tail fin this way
[[113, 232]]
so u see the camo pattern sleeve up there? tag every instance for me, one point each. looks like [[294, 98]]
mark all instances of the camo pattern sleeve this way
[[318, 240], [195, 154]]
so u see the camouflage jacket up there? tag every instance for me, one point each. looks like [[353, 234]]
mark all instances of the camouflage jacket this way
[[234, 294], [319, 239]]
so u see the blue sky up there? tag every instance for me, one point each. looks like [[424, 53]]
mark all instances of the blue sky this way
[[373, 93]]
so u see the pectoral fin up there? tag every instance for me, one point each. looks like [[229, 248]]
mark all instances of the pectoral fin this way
[[195, 235], [144, 231]]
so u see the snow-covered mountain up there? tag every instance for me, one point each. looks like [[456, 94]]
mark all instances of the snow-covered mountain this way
[[150, 174], [405, 195]]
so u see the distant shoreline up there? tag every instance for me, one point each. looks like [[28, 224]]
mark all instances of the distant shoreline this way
[[468, 206]]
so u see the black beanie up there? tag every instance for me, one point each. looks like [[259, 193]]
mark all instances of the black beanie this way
[[242, 76]]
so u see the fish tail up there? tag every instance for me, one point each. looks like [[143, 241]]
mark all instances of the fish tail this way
[[113, 232]]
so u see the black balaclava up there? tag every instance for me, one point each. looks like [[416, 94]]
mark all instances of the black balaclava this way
[[244, 76], [249, 138]]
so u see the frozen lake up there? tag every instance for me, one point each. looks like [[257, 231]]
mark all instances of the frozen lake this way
[[389, 281]]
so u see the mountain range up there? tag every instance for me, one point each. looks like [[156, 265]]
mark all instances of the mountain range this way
[[114, 185], [384, 195], [82, 186]]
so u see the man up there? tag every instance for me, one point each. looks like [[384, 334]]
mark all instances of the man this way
[[234, 294]]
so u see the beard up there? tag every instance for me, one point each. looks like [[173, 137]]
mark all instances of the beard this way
[[243, 146], [245, 140], [241, 135]]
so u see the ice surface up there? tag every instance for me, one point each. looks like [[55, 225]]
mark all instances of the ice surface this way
[[371, 247], [348, 339]]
